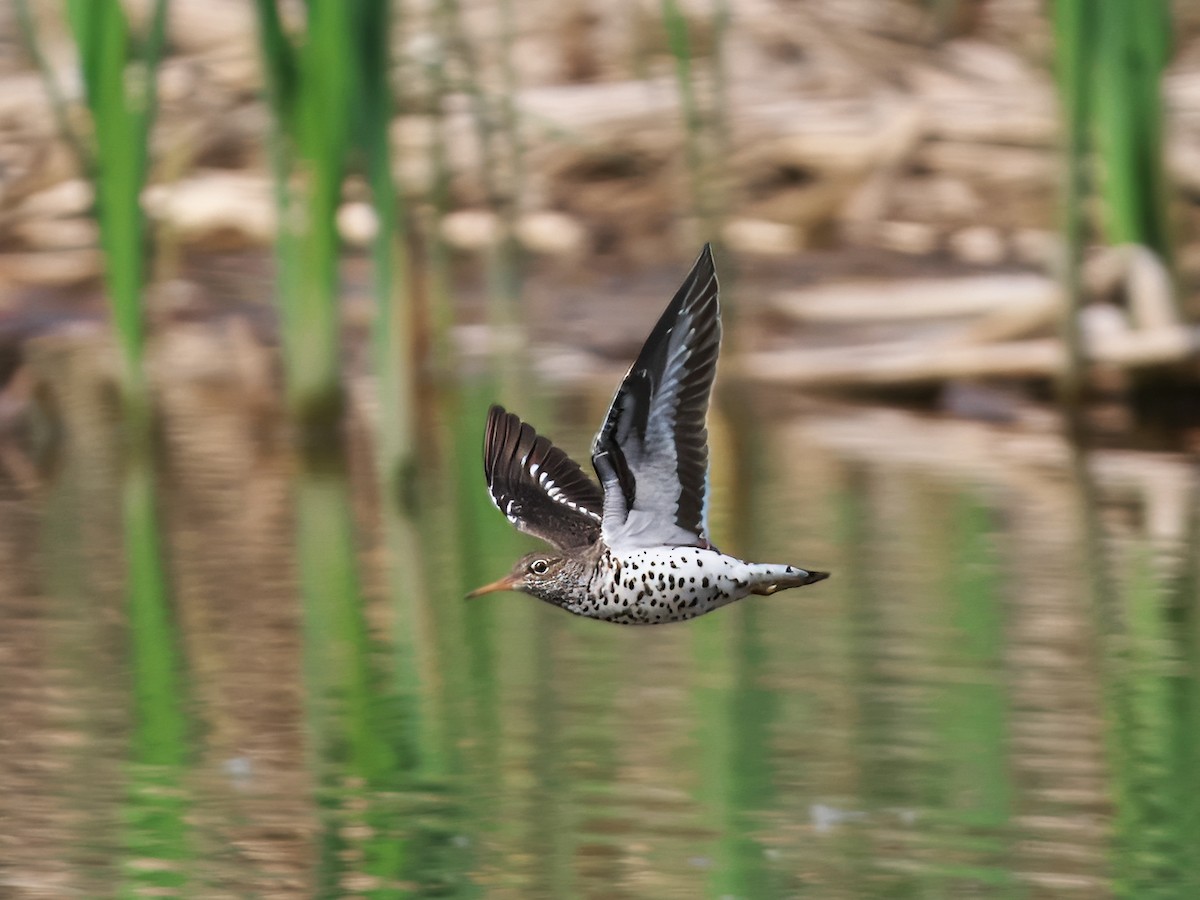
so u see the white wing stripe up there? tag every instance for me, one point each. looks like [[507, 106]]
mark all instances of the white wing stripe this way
[[652, 451]]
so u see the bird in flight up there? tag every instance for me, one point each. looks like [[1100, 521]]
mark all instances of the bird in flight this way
[[633, 549]]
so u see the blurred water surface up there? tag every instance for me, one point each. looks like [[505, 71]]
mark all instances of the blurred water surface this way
[[995, 695]]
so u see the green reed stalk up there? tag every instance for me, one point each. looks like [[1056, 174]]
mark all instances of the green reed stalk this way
[[719, 118], [1131, 41], [309, 89], [393, 340], [497, 129], [1110, 59], [509, 261], [439, 285], [122, 111], [396, 363], [1073, 27], [54, 92], [679, 40]]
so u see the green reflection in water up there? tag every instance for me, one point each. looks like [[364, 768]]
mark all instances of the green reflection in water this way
[[857, 630], [734, 717], [490, 642], [1184, 700], [359, 733], [931, 734], [437, 859], [735, 712], [1153, 742], [155, 826], [852, 739], [69, 540], [587, 661], [1146, 824], [888, 720], [971, 708], [547, 808], [1146, 626]]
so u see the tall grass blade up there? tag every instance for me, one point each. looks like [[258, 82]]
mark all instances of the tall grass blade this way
[[395, 358], [84, 154], [310, 90], [509, 262], [438, 286], [122, 118], [1110, 59], [679, 40], [719, 119], [1073, 25], [1130, 56], [496, 125]]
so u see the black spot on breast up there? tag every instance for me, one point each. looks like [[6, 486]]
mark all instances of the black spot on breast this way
[[704, 581]]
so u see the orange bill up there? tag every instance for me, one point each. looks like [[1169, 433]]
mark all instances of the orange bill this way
[[507, 583]]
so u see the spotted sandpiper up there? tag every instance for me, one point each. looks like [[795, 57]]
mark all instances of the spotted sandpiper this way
[[633, 549]]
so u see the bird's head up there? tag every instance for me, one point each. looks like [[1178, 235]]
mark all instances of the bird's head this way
[[549, 576]]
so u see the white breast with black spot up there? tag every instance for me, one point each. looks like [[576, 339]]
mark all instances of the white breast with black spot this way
[[667, 584]]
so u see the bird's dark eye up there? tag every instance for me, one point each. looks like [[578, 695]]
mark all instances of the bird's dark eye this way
[[539, 567]]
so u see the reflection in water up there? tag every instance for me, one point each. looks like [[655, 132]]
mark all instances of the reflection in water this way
[[157, 845], [356, 739], [735, 712], [1144, 604], [280, 691]]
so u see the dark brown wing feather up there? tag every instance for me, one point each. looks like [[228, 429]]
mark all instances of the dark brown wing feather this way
[[537, 486]]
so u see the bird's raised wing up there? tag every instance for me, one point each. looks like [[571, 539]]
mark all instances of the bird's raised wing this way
[[537, 486], [652, 452]]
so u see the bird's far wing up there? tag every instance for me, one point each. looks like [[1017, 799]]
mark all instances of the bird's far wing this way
[[652, 452], [537, 486]]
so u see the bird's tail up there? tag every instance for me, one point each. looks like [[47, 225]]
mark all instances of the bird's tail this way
[[779, 578]]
